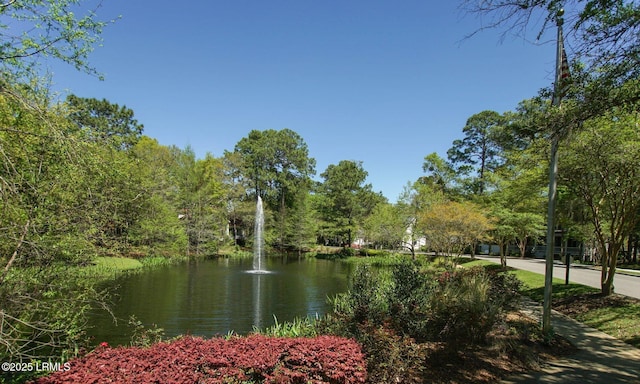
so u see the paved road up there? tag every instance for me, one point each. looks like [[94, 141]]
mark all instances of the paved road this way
[[624, 284]]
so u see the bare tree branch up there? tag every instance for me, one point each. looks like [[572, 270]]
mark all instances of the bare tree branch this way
[[5, 5], [15, 252]]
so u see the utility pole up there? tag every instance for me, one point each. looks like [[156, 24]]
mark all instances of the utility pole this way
[[553, 171]]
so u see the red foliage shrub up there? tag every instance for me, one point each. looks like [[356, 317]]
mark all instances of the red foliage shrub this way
[[324, 359]]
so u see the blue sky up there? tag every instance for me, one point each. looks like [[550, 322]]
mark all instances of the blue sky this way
[[382, 82]]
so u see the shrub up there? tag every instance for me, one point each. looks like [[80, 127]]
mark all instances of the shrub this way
[[366, 299], [347, 252], [408, 301], [391, 358], [391, 312], [324, 359], [44, 312], [461, 307], [505, 289], [144, 337]]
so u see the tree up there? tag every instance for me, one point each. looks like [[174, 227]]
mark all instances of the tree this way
[[605, 31], [451, 226], [159, 229], [479, 149], [343, 188], [200, 199], [302, 223], [211, 202], [38, 28], [276, 165], [43, 190], [293, 170], [385, 227], [239, 209], [415, 198], [601, 165], [43, 185], [104, 122], [503, 232], [517, 200], [439, 172]]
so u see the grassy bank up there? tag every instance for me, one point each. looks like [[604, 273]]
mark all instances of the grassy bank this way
[[105, 268]]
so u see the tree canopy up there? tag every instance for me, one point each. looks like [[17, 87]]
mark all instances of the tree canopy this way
[[105, 122]]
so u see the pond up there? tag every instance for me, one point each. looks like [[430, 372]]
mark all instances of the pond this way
[[213, 297]]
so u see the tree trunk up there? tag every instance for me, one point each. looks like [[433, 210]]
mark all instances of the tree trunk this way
[[609, 270], [607, 284], [522, 245], [503, 256], [235, 232]]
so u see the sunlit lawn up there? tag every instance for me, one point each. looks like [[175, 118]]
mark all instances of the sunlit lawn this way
[[619, 322]]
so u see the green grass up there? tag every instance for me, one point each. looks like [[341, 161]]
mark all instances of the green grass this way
[[534, 286], [384, 260], [631, 266], [116, 263], [107, 268], [620, 321], [630, 271], [468, 263], [378, 261], [234, 252], [299, 327]]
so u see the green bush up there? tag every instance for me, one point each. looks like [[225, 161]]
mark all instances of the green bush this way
[[347, 252], [390, 311], [366, 299], [505, 289], [45, 311], [408, 300], [462, 309], [144, 337]]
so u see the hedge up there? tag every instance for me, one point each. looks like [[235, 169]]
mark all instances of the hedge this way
[[256, 358]]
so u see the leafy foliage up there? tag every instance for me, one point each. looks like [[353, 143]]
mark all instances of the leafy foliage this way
[[104, 122], [384, 227], [391, 312], [58, 29], [480, 148], [346, 201], [276, 166], [601, 168], [604, 31], [450, 226], [44, 313], [324, 359]]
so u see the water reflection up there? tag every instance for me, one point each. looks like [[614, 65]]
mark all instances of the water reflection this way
[[217, 296], [257, 300]]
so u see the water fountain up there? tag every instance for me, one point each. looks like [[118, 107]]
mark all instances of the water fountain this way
[[258, 243]]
